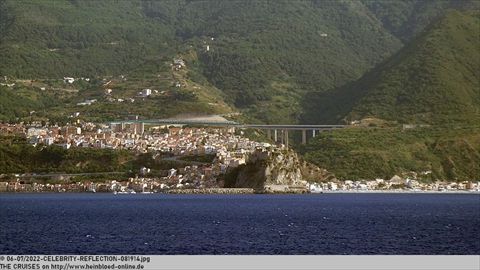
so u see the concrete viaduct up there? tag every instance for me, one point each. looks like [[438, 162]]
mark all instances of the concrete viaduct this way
[[277, 133], [281, 132]]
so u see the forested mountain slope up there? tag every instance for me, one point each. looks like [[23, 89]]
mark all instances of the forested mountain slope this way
[[264, 56], [434, 79]]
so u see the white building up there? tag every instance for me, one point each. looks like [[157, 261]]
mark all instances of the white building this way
[[49, 140], [146, 92], [332, 186], [36, 132], [87, 102], [68, 80], [315, 187], [172, 172]]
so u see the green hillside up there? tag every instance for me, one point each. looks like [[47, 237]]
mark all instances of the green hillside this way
[[432, 153], [434, 79], [432, 85], [406, 19], [52, 39], [19, 102], [263, 56]]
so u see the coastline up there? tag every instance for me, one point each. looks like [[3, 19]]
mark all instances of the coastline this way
[[242, 191], [399, 191]]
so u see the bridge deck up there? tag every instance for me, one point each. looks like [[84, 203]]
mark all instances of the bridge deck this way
[[294, 127], [227, 123]]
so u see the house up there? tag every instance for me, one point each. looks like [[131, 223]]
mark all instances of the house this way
[[362, 186], [332, 186], [66, 145], [315, 187], [87, 102], [178, 62], [175, 131], [412, 183], [69, 130], [36, 132], [145, 92], [49, 140], [144, 170], [68, 80], [171, 173]]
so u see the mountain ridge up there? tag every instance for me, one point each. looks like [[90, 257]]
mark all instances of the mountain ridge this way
[[264, 56], [431, 80]]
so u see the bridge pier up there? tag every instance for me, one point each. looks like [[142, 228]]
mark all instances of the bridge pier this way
[[304, 136], [275, 135], [139, 128], [313, 133], [269, 134], [286, 138]]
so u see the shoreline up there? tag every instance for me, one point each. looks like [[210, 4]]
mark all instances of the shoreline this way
[[243, 191], [398, 191]]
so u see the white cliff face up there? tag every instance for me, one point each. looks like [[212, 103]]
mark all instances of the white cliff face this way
[[280, 168]]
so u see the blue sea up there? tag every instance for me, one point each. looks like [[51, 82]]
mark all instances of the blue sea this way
[[240, 224]]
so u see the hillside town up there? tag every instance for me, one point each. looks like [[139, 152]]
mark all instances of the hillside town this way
[[228, 147]]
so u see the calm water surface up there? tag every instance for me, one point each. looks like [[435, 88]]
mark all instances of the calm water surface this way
[[239, 224]]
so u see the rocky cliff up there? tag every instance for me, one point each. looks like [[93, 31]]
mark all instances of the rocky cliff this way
[[278, 170]]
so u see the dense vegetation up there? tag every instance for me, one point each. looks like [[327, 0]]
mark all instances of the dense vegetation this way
[[264, 56], [434, 153], [434, 79], [406, 19], [258, 43], [18, 102], [17, 156], [53, 39]]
